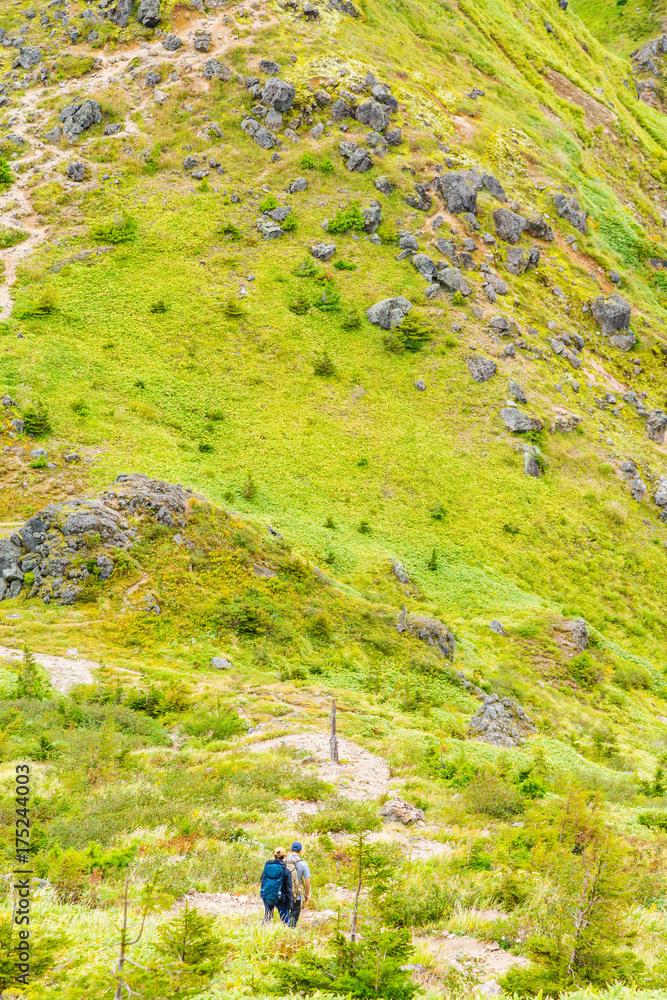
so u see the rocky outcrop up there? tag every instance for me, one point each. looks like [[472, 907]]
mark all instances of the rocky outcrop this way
[[579, 631], [502, 722], [481, 369], [656, 426], [79, 117], [66, 544], [568, 209], [429, 630], [456, 193], [148, 13], [518, 422]]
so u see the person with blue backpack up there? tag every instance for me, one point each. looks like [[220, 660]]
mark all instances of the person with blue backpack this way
[[276, 887]]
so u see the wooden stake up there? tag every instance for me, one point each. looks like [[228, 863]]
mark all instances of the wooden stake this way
[[333, 741]]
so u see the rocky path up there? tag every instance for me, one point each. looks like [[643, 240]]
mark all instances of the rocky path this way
[[65, 672]]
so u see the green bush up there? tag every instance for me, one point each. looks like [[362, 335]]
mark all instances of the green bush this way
[[229, 230], [213, 724], [346, 219], [9, 236], [121, 229], [290, 224], [342, 816], [584, 670], [324, 366], [351, 320], [653, 820], [6, 174], [632, 675], [268, 203], [490, 795], [300, 305], [158, 307], [415, 904], [412, 335], [344, 265], [307, 162]]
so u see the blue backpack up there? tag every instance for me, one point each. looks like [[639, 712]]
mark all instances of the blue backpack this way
[[272, 882]]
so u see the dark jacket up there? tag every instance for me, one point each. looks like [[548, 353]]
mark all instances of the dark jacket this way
[[285, 898]]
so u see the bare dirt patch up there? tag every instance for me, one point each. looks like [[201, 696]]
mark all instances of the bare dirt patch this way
[[595, 113]]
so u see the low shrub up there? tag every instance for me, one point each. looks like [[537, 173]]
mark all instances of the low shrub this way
[[412, 335], [346, 219], [121, 229]]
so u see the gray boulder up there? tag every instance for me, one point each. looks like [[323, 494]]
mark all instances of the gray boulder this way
[[220, 663], [202, 41], [531, 465], [539, 229], [270, 67], [77, 118], [29, 56], [269, 229], [407, 241], [258, 133], [425, 266], [568, 208], [280, 213], [494, 187], [323, 251], [500, 324], [613, 313], [278, 94], [656, 426], [579, 630], [623, 341], [518, 422], [509, 225], [516, 392], [457, 193], [384, 96], [76, 171], [502, 722], [452, 280], [497, 627], [429, 630], [449, 250], [172, 43], [481, 369], [214, 68], [359, 161], [372, 217], [341, 109], [393, 137], [148, 13], [300, 184], [113, 129], [54, 135], [400, 572], [660, 496], [388, 313], [373, 114], [384, 186], [152, 78], [397, 810], [120, 14]]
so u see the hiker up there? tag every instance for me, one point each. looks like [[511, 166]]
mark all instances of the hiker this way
[[276, 887], [300, 873]]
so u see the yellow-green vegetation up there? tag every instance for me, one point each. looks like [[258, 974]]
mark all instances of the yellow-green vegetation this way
[[342, 471]]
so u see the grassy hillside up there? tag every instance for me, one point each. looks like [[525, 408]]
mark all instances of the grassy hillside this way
[[194, 350]]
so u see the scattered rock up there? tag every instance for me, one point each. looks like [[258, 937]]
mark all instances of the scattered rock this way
[[214, 68], [120, 14], [384, 186], [539, 229], [579, 630], [497, 627], [420, 385], [269, 229], [518, 422], [202, 41], [568, 208], [660, 497], [397, 810], [452, 279], [172, 43], [494, 187], [54, 135], [613, 313], [79, 117], [300, 184], [457, 193], [220, 663], [373, 114], [509, 225], [278, 94], [323, 251], [516, 392], [29, 56], [425, 266], [113, 129], [656, 425], [481, 369], [372, 217], [429, 630], [359, 161], [269, 67], [388, 313], [148, 13], [259, 133], [502, 722], [393, 137], [76, 171]]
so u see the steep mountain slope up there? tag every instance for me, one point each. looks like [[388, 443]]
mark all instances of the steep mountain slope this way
[[205, 211]]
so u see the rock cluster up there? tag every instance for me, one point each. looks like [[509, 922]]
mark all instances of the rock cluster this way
[[58, 549], [397, 810], [77, 118], [502, 722]]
